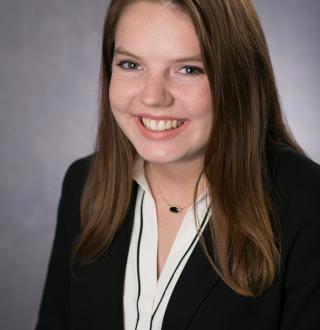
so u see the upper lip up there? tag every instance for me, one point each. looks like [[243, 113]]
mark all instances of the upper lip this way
[[145, 115]]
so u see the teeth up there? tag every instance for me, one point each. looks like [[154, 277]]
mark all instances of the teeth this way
[[168, 125], [174, 124], [161, 125]]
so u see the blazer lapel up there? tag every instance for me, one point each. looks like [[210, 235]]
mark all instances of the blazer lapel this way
[[98, 289], [196, 281], [118, 261]]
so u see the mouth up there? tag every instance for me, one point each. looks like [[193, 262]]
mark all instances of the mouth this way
[[161, 125]]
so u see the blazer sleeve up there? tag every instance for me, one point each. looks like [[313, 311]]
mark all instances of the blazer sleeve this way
[[54, 308], [301, 296]]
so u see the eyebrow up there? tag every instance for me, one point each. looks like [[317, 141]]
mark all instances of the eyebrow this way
[[122, 51]]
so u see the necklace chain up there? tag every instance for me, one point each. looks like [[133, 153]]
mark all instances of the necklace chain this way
[[173, 208]]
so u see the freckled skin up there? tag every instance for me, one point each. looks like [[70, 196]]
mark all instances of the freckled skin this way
[[156, 85]]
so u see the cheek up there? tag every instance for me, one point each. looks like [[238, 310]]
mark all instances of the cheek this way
[[200, 102], [121, 93], [202, 111], [205, 96]]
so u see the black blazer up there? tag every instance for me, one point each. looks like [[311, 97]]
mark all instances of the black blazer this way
[[200, 300]]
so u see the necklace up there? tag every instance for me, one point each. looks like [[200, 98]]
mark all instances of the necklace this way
[[173, 207]]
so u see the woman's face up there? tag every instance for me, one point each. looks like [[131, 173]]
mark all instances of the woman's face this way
[[158, 78]]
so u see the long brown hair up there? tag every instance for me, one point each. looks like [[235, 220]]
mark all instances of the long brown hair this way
[[247, 118]]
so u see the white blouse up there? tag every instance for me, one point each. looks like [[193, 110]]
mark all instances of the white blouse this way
[[145, 297]]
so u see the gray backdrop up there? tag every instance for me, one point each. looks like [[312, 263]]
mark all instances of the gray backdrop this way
[[50, 55]]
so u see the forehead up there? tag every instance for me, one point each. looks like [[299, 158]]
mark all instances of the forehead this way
[[160, 28]]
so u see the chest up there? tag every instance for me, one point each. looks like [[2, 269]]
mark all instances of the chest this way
[[168, 227]]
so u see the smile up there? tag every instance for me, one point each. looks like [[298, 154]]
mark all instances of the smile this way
[[161, 125]]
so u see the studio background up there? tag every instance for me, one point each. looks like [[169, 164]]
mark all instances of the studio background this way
[[50, 58]]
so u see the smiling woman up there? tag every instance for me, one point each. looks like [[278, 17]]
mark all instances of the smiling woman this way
[[154, 89], [197, 210]]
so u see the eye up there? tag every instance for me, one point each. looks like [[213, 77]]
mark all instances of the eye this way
[[192, 70], [127, 65]]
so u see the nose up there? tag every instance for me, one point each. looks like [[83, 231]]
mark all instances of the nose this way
[[155, 92]]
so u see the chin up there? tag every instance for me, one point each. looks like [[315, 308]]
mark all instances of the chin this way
[[156, 156]]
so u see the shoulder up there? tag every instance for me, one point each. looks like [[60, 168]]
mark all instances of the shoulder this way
[[68, 222], [295, 168], [297, 194], [79, 168], [75, 177], [297, 177]]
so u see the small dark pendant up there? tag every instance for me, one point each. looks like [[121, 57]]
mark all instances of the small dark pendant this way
[[174, 209]]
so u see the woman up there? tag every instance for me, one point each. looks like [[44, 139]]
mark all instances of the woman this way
[[197, 210]]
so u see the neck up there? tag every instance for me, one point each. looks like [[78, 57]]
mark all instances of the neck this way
[[176, 181]]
